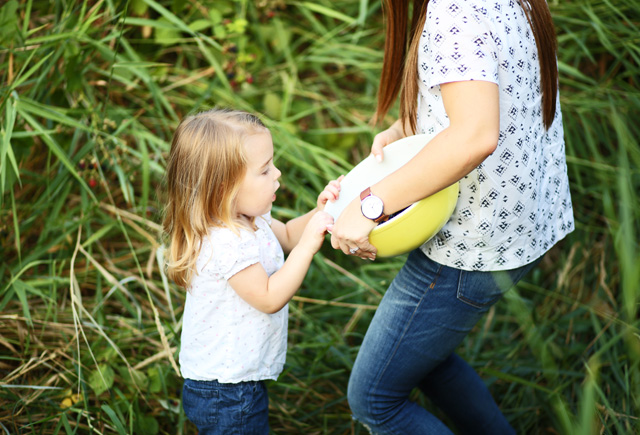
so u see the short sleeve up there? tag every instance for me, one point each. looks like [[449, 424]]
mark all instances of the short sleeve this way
[[458, 44], [225, 253]]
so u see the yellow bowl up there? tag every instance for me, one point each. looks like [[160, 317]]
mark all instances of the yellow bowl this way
[[412, 226]]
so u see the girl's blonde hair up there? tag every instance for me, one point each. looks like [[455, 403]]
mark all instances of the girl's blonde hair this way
[[205, 168]]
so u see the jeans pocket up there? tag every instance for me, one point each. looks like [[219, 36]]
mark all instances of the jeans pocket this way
[[255, 408], [483, 289], [200, 402]]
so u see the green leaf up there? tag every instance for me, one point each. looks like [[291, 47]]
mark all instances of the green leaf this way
[[155, 380], [98, 234], [165, 35], [139, 64], [21, 291], [215, 16], [53, 113], [6, 152], [57, 150], [272, 105], [22, 77], [133, 376], [101, 379], [138, 7], [329, 12], [219, 31], [146, 425], [238, 26], [114, 419], [199, 25], [8, 22]]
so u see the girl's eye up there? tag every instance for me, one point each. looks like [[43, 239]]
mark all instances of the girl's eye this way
[[266, 171]]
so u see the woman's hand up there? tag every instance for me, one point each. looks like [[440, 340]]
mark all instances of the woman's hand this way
[[330, 193], [384, 138], [351, 231]]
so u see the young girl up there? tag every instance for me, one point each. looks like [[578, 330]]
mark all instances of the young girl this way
[[227, 251]]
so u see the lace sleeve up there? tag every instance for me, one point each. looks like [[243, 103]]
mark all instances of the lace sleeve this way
[[224, 253]]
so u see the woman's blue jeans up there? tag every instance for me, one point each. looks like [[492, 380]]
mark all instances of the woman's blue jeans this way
[[424, 315]]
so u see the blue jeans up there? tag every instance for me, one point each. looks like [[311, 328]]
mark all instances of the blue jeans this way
[[424, 315], [227, 409]]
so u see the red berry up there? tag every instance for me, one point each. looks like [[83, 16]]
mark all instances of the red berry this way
[[271, 14], [250, 79], [92, 183]]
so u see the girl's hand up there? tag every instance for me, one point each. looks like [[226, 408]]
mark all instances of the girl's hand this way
[[330, 193], [351, 231], [314, 232], [386, 137]]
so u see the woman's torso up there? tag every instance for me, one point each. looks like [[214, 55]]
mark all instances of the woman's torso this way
[[515, 205]]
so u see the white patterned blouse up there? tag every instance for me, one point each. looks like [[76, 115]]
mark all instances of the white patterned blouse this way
[[515, 205]]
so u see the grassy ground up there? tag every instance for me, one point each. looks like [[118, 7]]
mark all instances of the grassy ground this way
[[89, 325]]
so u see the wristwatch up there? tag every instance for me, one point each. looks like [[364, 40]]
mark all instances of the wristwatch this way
[[372, 207]]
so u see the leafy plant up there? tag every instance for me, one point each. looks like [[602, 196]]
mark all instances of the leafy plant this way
[[89, 323]]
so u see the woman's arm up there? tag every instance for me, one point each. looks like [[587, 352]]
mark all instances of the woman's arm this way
[[472, 135]]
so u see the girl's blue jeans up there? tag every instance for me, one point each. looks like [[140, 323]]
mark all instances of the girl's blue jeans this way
[[227, 409], [424, 315]]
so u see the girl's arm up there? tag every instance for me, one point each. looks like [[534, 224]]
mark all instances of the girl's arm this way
[[270, 293], [472, 135], [289, 234]]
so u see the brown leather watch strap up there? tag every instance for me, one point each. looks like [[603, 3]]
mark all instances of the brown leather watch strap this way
[[383, 218], [366, 192]]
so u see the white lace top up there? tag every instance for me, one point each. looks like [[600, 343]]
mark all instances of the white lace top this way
[[516, 204], [223, 337]]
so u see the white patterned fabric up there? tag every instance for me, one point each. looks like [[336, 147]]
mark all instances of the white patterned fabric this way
[[223, 337], [515, 205]]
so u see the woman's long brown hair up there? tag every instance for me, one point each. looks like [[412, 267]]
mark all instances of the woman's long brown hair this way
[[400, 72]]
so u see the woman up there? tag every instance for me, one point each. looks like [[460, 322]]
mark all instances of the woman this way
[[483, 76]]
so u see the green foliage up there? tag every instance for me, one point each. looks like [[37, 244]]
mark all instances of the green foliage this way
[[90, 326]]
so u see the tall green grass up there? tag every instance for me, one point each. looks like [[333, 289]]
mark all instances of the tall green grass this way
[[89, 324]]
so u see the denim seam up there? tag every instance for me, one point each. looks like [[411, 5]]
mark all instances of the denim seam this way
[[468, 301], [397, 344]]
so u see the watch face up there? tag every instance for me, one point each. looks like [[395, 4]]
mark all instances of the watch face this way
[[372, 207]]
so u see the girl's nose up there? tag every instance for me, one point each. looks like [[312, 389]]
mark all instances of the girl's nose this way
[[278, 173]]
